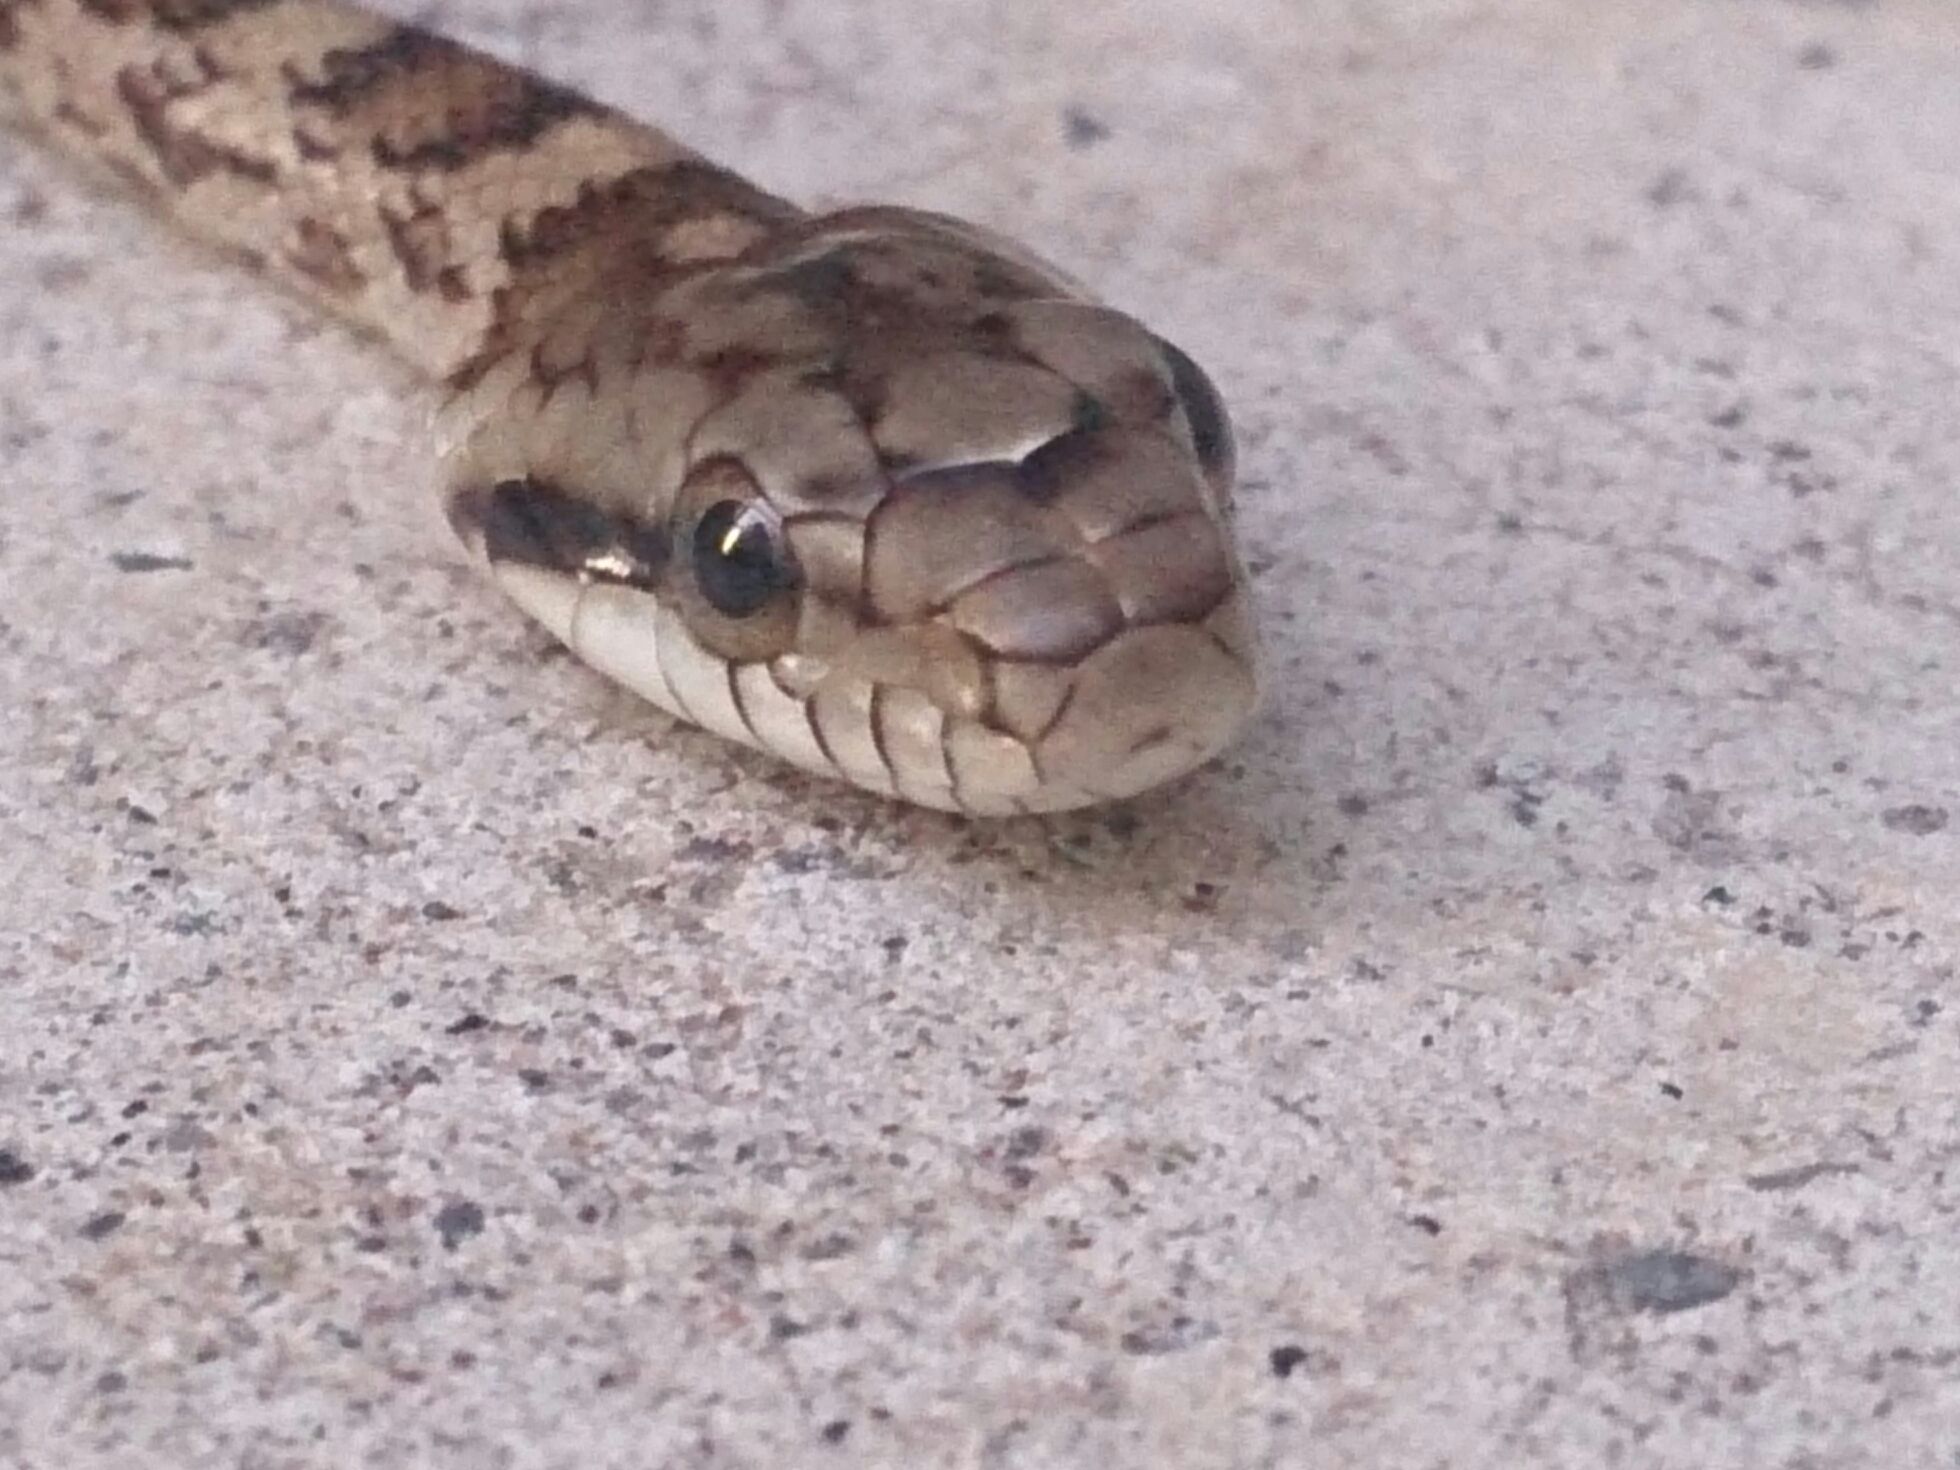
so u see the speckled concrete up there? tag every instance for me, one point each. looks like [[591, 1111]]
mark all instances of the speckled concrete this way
[[1535, 1046]]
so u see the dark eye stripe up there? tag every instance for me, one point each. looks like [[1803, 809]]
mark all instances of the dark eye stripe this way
[[536, 524]]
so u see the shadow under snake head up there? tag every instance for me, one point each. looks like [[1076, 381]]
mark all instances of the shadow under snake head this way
[[880, 494]]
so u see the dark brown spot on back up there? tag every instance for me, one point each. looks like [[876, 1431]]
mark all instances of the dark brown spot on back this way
[[422, 243], [67, 113], [321, 254], [349, 76], [634, 213], [433, 104], [177, 16], [620, 230], [183, 155], [9, 25], [193, 15]]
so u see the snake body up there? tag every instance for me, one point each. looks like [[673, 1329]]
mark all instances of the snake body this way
[[874, 490]]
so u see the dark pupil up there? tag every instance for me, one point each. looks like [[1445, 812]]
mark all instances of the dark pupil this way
[[735, 561]]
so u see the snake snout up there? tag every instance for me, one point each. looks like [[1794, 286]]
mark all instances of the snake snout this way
[[1093, 588]]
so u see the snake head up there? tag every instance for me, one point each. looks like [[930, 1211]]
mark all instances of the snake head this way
[[885, 496]]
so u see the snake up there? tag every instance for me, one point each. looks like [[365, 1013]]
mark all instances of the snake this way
[[875, 490]]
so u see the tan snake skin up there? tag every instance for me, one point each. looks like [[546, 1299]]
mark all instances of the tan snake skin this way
[[876, 490]]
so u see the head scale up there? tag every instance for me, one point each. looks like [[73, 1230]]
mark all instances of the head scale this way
[[887, 498]]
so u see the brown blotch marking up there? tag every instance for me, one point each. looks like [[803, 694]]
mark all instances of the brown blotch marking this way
[[9, 26], [321, 254], [193, 15], [914, 290], [633, 213], [183, 155], [350, 76], [434, 104], [312, 149], [422, 244], [65, 111], [623, 226], [176, 16]]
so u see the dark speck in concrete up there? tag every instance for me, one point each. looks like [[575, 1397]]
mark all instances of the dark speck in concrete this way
[[147, 561], [1025, 1143], [439, 911], [1174, 1336], [1694, 824], [1817, 57], [1670, 188], [13, 1168], [1918, 820], [457, 1221], [1082, 129], [1797, 1178], [835, 1431], [832, 1247], [290, 633], [101, 1227], [473, 1021], [1283, 1360], [1664, 1281], [714, 850]]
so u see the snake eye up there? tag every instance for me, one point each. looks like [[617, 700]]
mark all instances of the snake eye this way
[[739, 561], [740, 587]]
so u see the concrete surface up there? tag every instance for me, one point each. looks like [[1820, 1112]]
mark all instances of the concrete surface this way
[[1536, 1046]]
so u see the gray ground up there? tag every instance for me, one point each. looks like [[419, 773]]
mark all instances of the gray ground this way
[[1535, 1046]]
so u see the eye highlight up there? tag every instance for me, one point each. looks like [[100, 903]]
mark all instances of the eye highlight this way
[[740, 563]]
